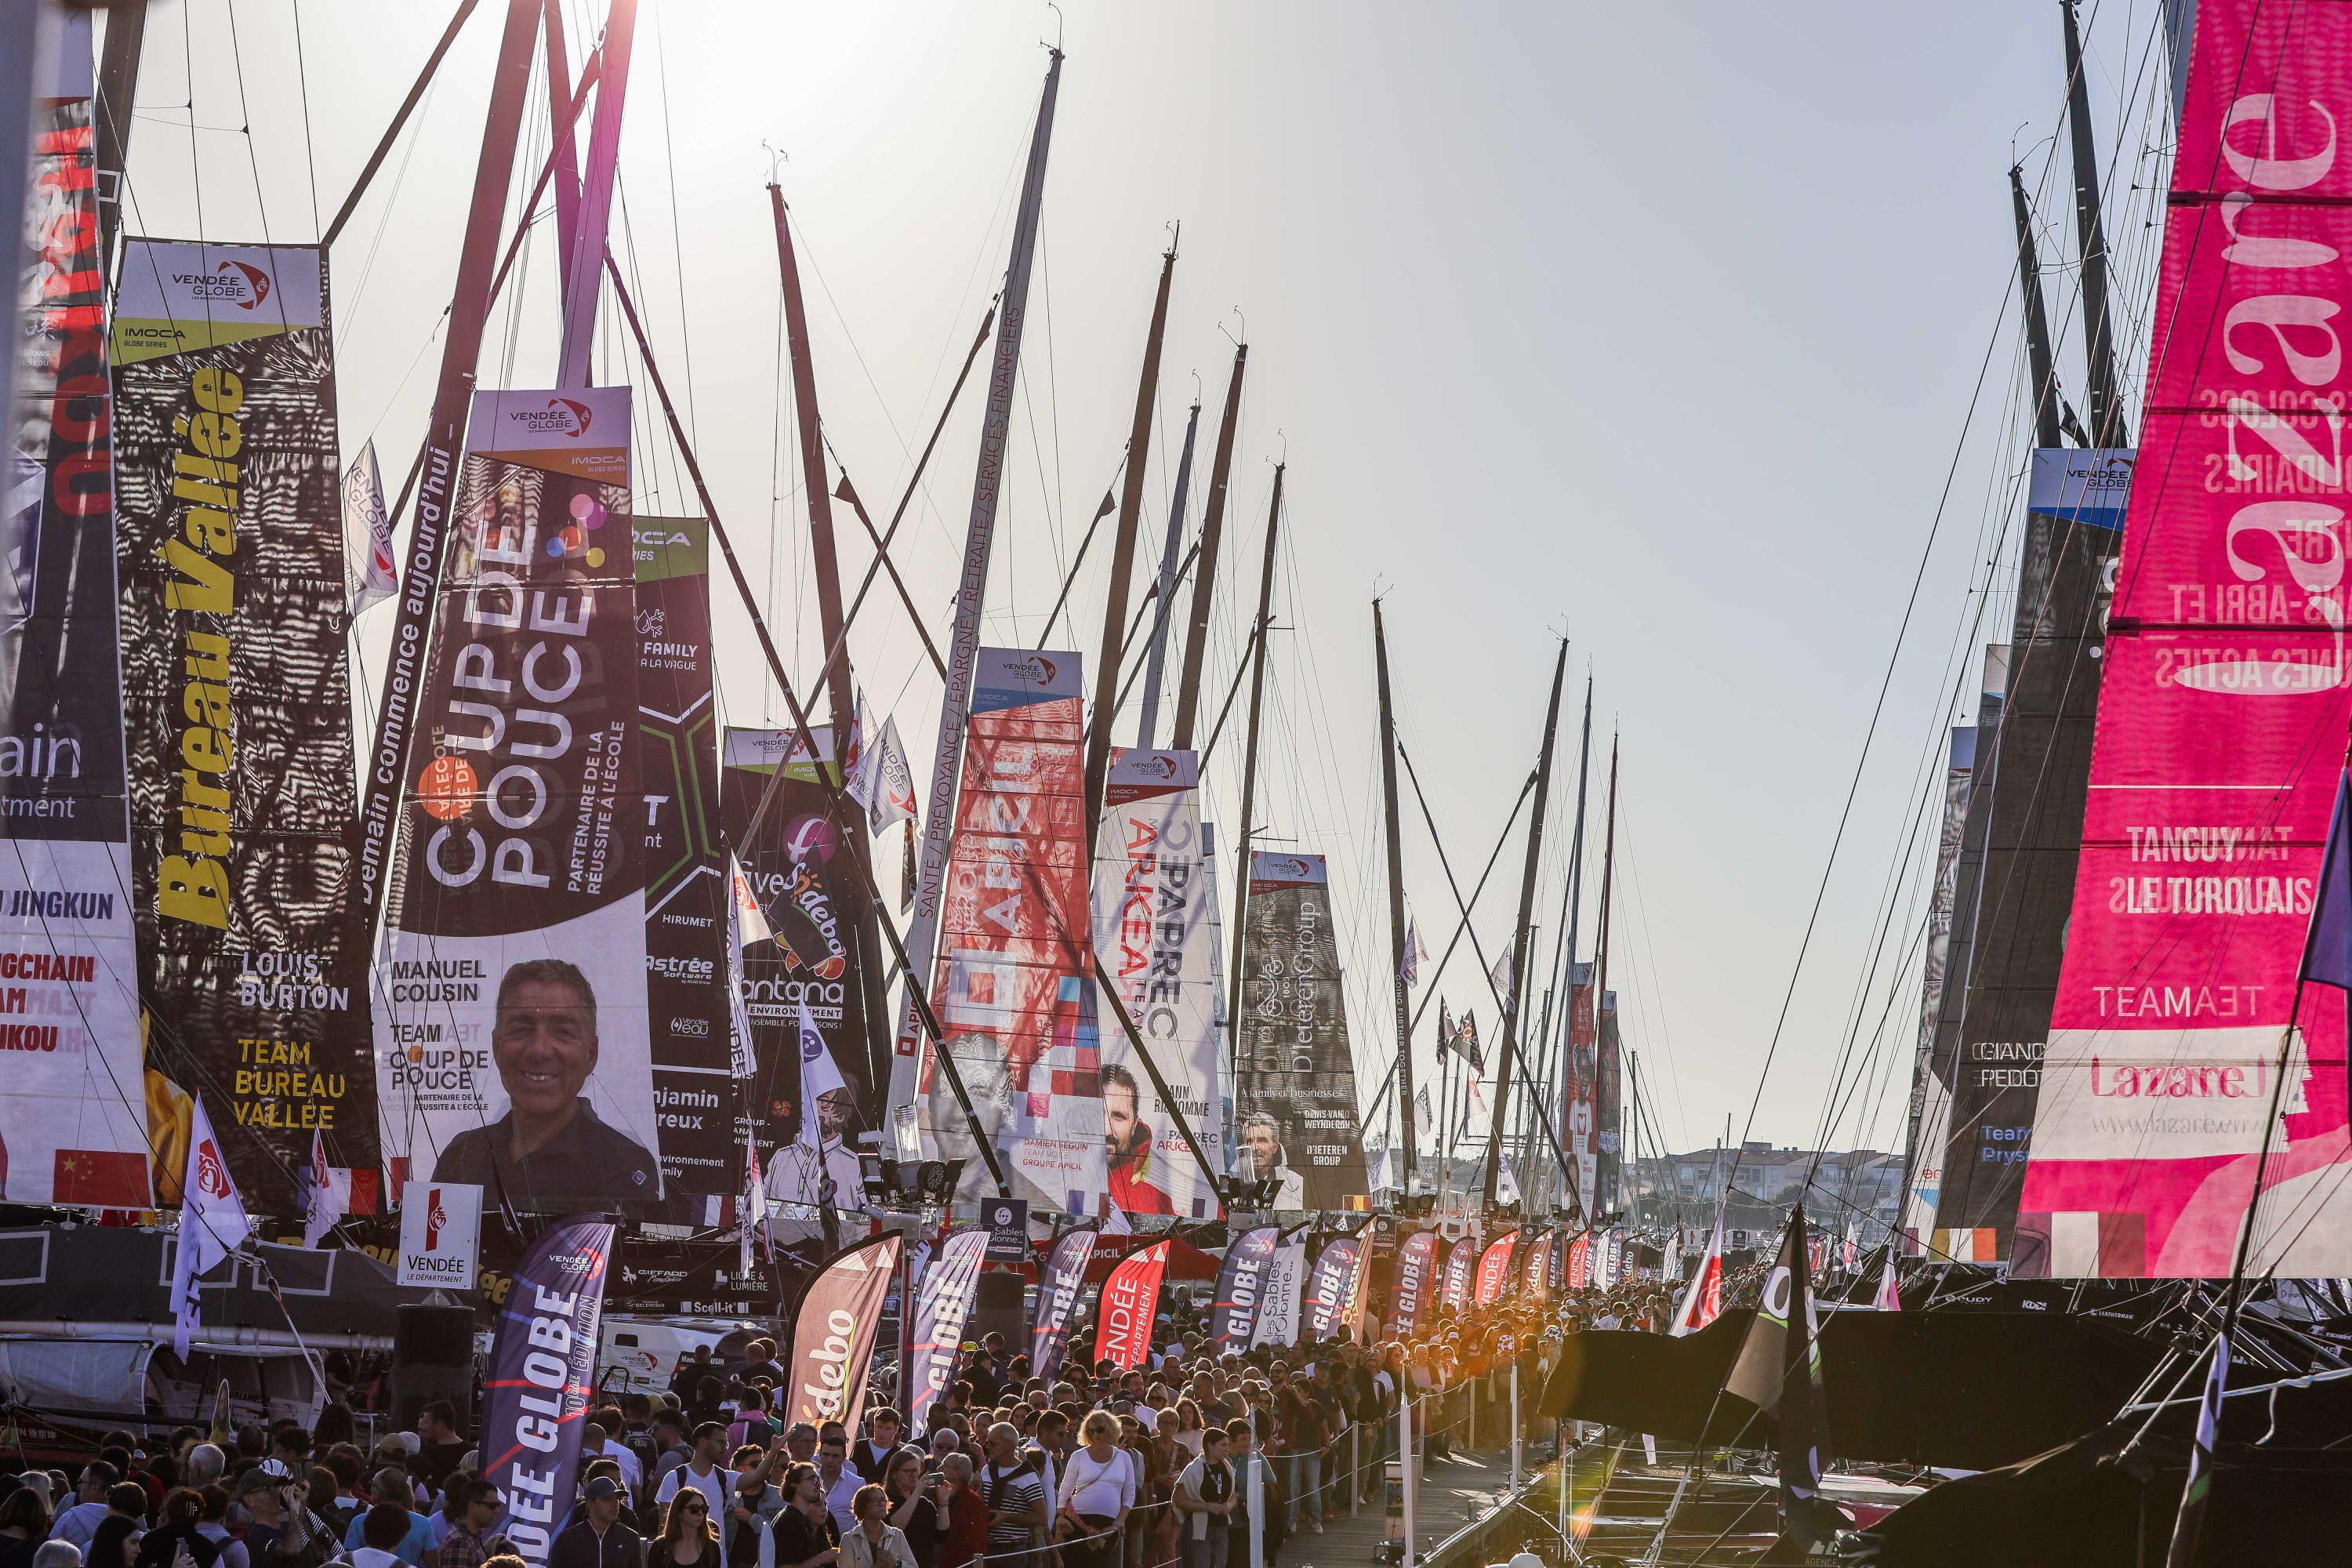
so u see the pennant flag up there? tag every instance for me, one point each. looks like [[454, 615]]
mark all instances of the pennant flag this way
[[746, 925], [1502, 978], [1425, 1114], [1057, 1297], [1778, 1370], [1409, 970], [833, 1331], [368, 572], [2190, 1521], [1506, 1181], [879, 776], [212, 1224], [1465, 1043], [1444, 1028], [542, 1378], [1703, 1302], [330, 1194], [1130, 1303], [1889, 1298], [1241, 1287], [942, 1307]]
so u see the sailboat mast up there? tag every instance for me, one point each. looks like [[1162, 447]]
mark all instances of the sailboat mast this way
[[1505, 1056], [1155, 662], [2046, 428], [836, 679], [562, 159], [1204, 580], [1122, 551], [1396, 891], [1564, 969], [2106, 410], [1249, 746], [596, 177], [420, 584], [980, 536], [118, 89], [1600, 961]]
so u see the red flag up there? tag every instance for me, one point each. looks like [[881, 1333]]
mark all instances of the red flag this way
[[1495, 1268], [1704, 1301], [1131, 1302], [101, 1178]]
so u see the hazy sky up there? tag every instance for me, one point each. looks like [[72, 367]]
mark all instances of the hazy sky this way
[[1652, 326]]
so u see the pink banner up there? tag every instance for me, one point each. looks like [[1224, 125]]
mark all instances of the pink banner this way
[[1131, 1302], [2221, 713], [1579, 1263], [1495, 1268]]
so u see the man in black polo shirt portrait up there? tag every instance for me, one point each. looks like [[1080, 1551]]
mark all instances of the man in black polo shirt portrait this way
[[549, 1153]]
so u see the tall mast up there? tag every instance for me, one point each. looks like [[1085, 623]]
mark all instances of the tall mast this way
[[420, 584], [1122, 552], [2106, 410], [1601, 951], [118, 89], [837, 680], [1503, 1058], [1204, 578], [1249, 746], [2046, 432], [562, 159], [1572, 898], [596, 194], [1156, 658], [980, 535], [1396, 892]]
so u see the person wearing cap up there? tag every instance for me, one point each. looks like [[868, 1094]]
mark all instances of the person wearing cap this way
[[601, 1540]]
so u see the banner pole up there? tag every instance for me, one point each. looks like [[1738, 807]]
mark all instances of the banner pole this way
[[1410, 1471]]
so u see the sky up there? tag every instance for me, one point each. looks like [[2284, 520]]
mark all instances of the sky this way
[[1687, 334]]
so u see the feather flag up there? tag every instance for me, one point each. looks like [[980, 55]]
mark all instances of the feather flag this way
[[1703, 1302]]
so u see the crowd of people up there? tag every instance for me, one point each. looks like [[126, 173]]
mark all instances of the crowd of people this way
[[1177, 1461]]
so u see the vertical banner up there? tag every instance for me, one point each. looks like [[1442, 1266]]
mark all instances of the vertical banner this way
[[1580, 1105], [1931, 1092], [2033, 834], [2221, 712], [1058, 1289], [1151, 908], [1461, 1260], [542, 1378], [833, 1331], [1331, 1290], [1608, 1095], [1495, 1268], [1535, 1269], [1416, 1283], [72, 1126], [800, 866], [512, 1048], [1241, 1286], [1280, 1298], [1131, 1302], [943, 1305], [1013, 986], [1580, 1262], [236, 704], [440, 1236], [1296, 1098], [685, 863]]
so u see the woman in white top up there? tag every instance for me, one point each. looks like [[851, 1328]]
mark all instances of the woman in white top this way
[[874, 1542], [1098, 1492]]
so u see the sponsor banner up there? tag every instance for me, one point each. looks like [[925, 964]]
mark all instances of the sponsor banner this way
[[1014, 985], [2034, 812], [1241, 1287], [440, 1235], [1332, 1289], [542, 1379], [1580, 1262], [834, 1328], [1151, 907], [695, 1103], [1608, 1107], [236, 702], [512, 1046], [1131, 1301], [72, 1124], [1931, 1092], [1295, 1101], [1417, 1282], [1495, 1268], [800, 867], [1461, 1260], [1581, 1104], [942, 1306], [1063, 1281], [1286, 1283], [2226, 687], [1008, 1223], [1535, 1269]]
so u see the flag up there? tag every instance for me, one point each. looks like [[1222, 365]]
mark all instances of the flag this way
[[1059, 1287], [2193, 1496], [1130, 1301], [1502, 977], [368, 575], [222, 1424], [1117, 1224], [1465, 1042], [1703, 1302], [1241, 1287], [943, 1299], [2327, 944], [1850, 1257], [1444, 1028], [746, 925], [1408, 971], [1779, 1371], [1383, 1177], [1506, 1181], [877, 774], [1670, 1268], [330, 1194], [212, 1224], [833, 1331], [1425, 1114], [1889, 1298], [755, 1204], [543, 1377]]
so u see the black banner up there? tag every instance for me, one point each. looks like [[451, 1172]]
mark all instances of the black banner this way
[[1295, 1105], [236, 700]]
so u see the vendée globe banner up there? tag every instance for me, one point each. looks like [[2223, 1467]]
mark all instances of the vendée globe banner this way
[[2221, 713], [1241, 1287], [1064, 1281], [943, 1305], [542, 1376]]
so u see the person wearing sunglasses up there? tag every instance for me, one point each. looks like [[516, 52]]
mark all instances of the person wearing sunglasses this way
[[689, 1538]]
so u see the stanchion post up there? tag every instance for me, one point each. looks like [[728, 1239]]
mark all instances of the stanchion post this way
[[1255, 1492], [1408, 1470], [1355, 1471], [1514, 1426], [1470, 1414]]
